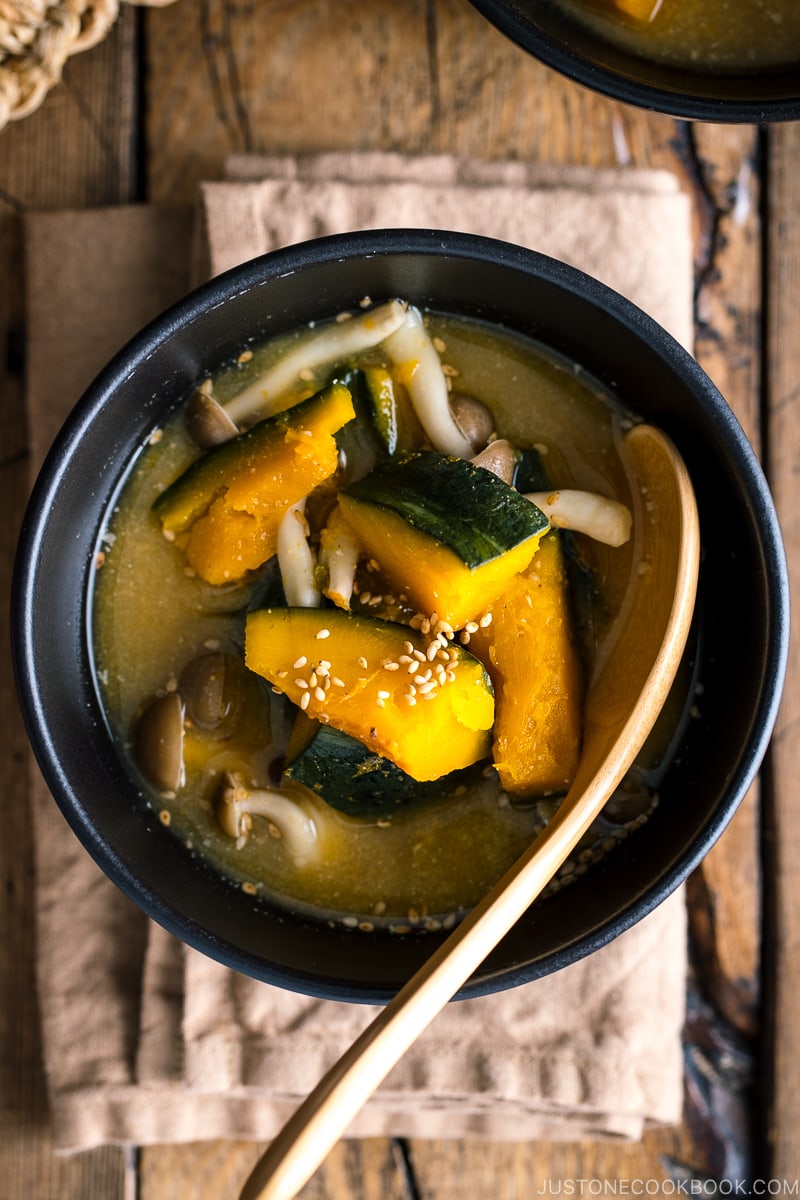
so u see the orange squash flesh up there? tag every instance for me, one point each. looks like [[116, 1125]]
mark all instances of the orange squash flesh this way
[[446, 534], [224, 512], [534, 665], [345, 669], [434, 579]]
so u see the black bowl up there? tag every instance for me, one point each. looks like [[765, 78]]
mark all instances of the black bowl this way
[[743, 587], [591, 60]]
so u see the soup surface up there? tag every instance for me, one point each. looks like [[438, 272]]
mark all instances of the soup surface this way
[[724, 36], [169, 651]]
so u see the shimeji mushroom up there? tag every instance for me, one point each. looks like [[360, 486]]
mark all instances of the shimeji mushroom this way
[[158, 742], [473, 419], [296, 560], [339, 553], [597, 516], [207, 422], [500, 458], [333, 342], [410, 347], [236, 805]]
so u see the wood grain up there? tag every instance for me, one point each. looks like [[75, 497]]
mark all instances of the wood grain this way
[[298, 76], [783, 831], [75, 151], [372, 1169], [726, 187]]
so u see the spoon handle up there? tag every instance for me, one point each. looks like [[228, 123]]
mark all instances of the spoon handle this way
[[324, 1116]]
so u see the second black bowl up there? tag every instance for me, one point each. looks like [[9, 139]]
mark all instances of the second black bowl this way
[[595, 62]]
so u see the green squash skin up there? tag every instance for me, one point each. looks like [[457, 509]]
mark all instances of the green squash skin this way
[[356, 781], [467, 508]]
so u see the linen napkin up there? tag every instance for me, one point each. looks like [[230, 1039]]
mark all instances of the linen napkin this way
[[146, 1041]]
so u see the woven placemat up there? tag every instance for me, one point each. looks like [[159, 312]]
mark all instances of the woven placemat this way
[[36, 39]]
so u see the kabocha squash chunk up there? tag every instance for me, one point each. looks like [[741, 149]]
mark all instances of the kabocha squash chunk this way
[[447, 534], [224, 511], [353, 672], [392, 412], [535, 668], [359, 782]]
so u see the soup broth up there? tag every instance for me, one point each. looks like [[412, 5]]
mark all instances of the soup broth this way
[[158, 628], [727, 36]]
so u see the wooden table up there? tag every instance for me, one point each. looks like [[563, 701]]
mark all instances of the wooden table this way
[[145, 116]]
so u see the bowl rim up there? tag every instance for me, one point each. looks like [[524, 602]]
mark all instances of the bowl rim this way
[[524, 30], [257, 273]]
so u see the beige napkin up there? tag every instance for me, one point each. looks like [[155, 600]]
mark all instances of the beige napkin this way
[[146, 1041]]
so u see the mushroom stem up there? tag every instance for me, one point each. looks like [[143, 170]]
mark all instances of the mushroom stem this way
[[296, 558], [411, 348], [331, 343], [597, 516], [236, 806], [339, 552]]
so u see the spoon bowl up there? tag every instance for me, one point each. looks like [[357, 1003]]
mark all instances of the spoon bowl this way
[[624, 699]]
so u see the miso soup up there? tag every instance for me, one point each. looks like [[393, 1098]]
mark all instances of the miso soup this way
[[303, 661], [726, 36]]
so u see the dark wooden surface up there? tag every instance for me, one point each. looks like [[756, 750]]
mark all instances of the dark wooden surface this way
[[145, 116]]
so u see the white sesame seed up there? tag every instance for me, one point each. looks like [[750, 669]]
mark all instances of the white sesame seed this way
[[305, 699], [410, 700], [336, 681], [384, 695], [282, 672], [485, 620], [419, 656], [428, 686], [391, 666], [471, 626], [323, 633], [380, 703], [301, 683], [413, 666], [362, 662], [319, 693], [432, 651]]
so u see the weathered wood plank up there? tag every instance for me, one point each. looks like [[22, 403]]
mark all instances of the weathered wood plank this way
[[418, 77], [74, 151], [726, 187], [371, 1169], [783, 357]]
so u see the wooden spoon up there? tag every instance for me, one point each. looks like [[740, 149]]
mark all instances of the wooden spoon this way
[[622, 704]]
